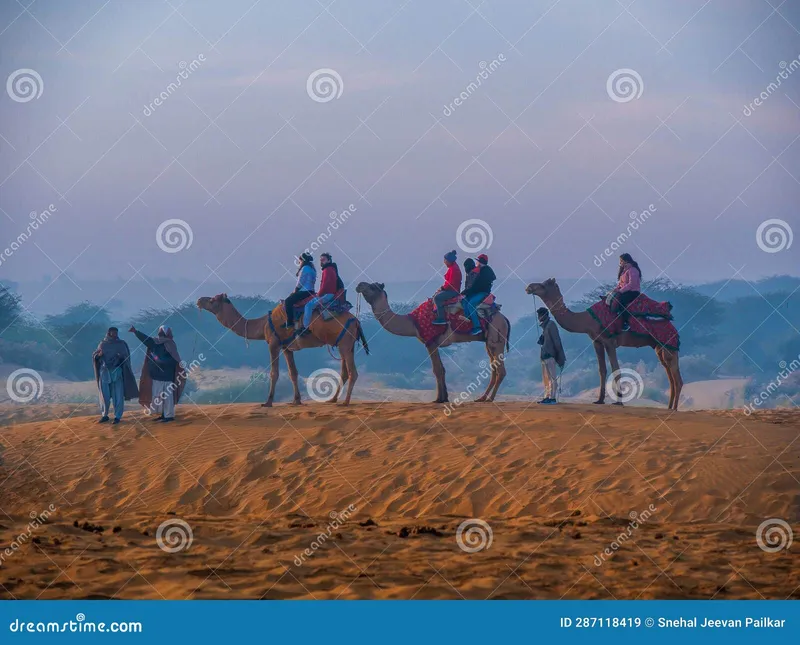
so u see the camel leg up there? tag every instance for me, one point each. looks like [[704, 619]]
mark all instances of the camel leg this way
[[485, 396], [349, 363], [668, 369], [343, 380], [274, 370], [612, 358], [600, 350], [500, 370], [290, 364], [439, 373], [673, 358]]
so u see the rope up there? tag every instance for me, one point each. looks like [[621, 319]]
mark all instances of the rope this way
[[246, 340]]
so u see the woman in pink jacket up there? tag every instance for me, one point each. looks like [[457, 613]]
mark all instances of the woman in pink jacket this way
[[629, 285]]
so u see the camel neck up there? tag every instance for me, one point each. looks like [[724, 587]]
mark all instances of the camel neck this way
[[393, 323], [563, 316], [252, 329]]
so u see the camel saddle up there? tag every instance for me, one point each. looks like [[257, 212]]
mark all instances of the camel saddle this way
[[487, 308]]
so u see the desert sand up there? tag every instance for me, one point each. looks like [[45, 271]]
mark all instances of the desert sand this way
[[555, 486]]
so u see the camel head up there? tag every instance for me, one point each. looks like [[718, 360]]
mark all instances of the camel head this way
[[547, 290], [215, 304], [372, 291]]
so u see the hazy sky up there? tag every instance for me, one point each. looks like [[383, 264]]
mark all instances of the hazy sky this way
[[540, 150]]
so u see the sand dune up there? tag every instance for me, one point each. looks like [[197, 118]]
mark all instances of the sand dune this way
[[556, 486]]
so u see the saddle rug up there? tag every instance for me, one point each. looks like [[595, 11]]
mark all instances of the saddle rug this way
[[648, 317], [424, 315]]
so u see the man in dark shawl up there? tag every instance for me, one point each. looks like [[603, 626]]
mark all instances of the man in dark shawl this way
[[113, 375], [163, 378]]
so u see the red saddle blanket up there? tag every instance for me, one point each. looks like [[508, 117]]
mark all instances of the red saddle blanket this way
[[424, 315], [648, 317]]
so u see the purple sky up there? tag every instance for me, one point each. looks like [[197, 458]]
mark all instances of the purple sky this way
[[539, 151]]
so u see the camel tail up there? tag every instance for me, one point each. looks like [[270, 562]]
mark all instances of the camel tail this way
[[508, 337], [363, 338]]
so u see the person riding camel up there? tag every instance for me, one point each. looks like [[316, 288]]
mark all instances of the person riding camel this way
[[477, 290], [628, 287], [331, 288], [449, 290], [306, 280]]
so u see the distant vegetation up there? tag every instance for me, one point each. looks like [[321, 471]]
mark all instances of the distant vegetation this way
[[747, 336]]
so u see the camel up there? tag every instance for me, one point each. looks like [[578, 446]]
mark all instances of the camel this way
[[583, 323], [402, 325], [261, 329]]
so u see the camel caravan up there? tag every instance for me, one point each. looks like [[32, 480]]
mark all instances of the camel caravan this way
[[462, 310]]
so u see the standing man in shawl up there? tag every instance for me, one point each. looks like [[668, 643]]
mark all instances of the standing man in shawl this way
[[163, 378], [113, 375]]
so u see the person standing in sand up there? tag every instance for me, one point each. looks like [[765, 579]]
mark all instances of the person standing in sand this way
[[552, 355], [163, 379], [113, 374]]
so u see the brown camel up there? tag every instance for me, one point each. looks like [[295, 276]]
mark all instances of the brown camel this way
[[499, 335], [583, 323], [260, 329]]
